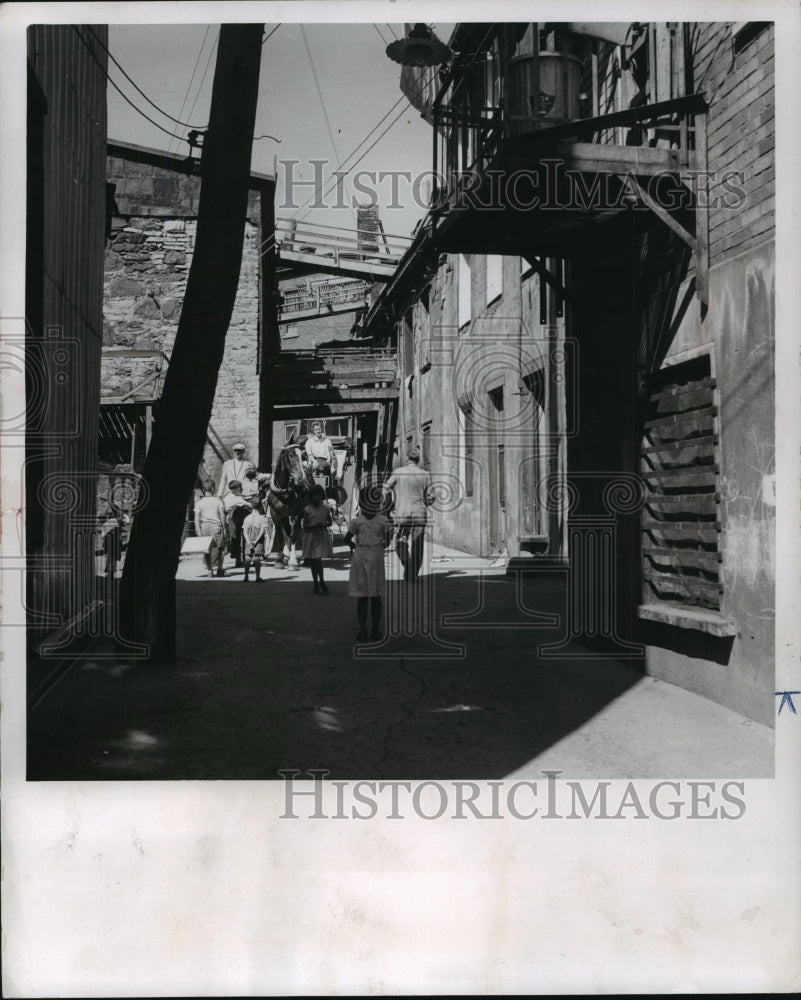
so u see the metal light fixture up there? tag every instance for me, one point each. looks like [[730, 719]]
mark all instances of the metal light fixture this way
[[419, 47]]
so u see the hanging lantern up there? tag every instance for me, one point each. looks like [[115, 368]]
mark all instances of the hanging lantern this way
[[419, 47]]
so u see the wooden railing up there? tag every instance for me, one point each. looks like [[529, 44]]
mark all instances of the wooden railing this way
[[339, 244]]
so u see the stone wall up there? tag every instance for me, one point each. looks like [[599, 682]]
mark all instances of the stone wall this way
[[147, 262]]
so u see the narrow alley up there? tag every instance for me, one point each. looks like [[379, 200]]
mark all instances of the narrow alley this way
[[269, 678]]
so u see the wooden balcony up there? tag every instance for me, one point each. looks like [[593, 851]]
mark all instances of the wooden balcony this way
[[331, 376], [313, 248], [534, 191], [323, 298]]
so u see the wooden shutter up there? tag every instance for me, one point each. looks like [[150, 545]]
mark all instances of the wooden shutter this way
[[681, 517]]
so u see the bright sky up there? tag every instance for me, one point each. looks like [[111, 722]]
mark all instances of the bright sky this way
[[174, 66]]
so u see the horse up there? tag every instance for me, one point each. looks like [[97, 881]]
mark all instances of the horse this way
[[288, 494], [287, 497]]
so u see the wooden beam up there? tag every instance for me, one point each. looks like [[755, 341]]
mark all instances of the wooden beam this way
[[147, 598], [548, 277], [289, 397], [691, 104], [287, 412], [663, 214], [595, 157], [339, 264], [701, 212]]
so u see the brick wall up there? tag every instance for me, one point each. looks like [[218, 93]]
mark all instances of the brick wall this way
[[739, 87]]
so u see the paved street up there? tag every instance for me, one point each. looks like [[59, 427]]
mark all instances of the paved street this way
[[269, 677]]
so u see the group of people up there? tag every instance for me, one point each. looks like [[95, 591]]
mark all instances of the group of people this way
[[240, 521]]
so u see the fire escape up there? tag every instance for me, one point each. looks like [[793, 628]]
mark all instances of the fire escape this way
[[541, 129]]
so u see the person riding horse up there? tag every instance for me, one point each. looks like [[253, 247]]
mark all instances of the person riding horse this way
[[287, 496], [320, 456]]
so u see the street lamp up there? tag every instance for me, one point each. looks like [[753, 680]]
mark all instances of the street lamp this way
[[419, 47]]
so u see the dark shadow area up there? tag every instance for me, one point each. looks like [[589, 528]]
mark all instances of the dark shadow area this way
[[269, 677], [687, 642]]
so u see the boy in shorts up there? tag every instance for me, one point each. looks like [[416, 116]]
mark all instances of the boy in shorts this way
[[255, 531]]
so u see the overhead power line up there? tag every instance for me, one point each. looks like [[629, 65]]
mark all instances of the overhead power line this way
[[205, 71], [319, 91], [372, 146], [192, 77], [122, 94], [268, 37], [136, 86]]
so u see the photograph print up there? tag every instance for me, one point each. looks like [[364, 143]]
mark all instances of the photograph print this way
[[400, 401]]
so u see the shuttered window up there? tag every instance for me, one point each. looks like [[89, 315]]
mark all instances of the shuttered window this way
[[681, 517]]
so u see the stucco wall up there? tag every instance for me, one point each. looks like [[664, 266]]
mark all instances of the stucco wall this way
[[502, 339]]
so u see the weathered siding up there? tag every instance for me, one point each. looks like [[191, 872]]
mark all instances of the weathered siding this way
[[453, 372], [738, 333], [65, 282]]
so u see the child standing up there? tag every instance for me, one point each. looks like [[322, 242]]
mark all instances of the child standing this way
[[317, 545], [255, 532], [367, 537]]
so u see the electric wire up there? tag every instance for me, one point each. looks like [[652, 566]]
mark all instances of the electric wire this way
[[122, 94], [400, 100], [355, 149], [205, 71], [192, 77], [136, 86], [268, 37], [268, 244], [372, 146], [319, 90]]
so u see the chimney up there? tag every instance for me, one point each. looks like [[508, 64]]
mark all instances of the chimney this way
[[368, 226]]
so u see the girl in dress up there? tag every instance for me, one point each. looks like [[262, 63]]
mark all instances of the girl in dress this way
[[368, 537], [317, 545]]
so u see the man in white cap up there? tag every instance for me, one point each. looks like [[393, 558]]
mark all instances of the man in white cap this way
[[234, 470], [411, 487]]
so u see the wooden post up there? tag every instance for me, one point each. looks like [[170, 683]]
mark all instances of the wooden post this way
[[148, 427], [132, 425], [701, 212], [147, 592]]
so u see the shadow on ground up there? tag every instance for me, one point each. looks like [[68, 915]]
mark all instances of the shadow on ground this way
[[269, 677]]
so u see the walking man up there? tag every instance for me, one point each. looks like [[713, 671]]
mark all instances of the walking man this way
[[237, 509], [411, 487], [234, 470], [210, 521]]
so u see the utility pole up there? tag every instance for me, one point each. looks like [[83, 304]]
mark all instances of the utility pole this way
[[147, 590]]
